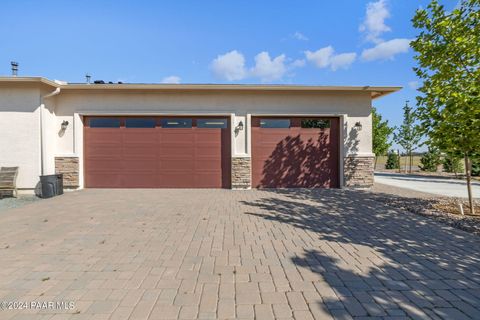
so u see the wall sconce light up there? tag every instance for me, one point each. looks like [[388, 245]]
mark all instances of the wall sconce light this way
[[64, 125], [240, 126], [358, 125]]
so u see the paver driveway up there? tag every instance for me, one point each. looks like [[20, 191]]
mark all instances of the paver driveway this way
[[137, 254]]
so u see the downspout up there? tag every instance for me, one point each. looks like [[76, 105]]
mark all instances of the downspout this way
[[42, 126]]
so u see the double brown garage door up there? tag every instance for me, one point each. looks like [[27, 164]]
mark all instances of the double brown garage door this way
[[157, 152], [195, 152]]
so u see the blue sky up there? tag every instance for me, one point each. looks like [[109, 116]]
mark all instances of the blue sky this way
[[341, 42]]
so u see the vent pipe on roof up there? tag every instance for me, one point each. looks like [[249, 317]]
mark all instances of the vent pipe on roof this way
[[14, 68]]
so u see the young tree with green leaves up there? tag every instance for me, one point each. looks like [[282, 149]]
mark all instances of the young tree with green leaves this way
[[430, 160], [448, 56], [409, 134], [393, 161], [452, 163], [381, 135], [476, 166]]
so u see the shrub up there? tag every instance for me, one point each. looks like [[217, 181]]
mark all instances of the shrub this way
[[430, 160], [452, 164], [392, 161], [476, 166]]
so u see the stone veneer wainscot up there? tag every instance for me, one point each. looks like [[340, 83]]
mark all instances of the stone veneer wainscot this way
[[358, 171], [69, 167], [241, 173]]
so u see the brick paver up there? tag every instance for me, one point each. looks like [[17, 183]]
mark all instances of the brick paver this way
[[206, 254]]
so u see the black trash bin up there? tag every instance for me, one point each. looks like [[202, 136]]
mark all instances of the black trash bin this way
[[52, 185]]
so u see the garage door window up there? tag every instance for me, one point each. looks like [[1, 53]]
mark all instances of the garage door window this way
[[104, 123], [176, 123], [315, 123], [140, 123], [275, 123], [212, 123]]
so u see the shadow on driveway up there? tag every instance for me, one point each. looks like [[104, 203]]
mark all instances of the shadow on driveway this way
[[379, 260]]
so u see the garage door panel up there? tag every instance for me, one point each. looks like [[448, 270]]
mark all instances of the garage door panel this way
[[173, 136], [177, 164], [208, 135], [177, 180], [139, 165], [140, 136], [105, 164], [139, 179], [139, 151], [208, 151], [208, 164], [178, 150], [295, 157], [105, 151], [104, 136], [157, 157], [104, 180], [207, 180]]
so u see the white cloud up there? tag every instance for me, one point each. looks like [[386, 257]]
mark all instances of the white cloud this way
[[413, 85], [321, 57], [386, 50], [171, 79], [374, 23], [230, 66], [326, 57], [342, 61], [268, 69], [299, 63], [300, 36]]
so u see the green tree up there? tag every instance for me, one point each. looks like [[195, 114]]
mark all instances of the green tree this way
[[448, 56], [476, 165], [393, 161], [408, 135], [452, 164], [430, 160], [476, 168], [381, 133]]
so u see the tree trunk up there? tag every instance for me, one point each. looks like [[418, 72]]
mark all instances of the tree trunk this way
[[468, 171], [411, 162], [399, 160]]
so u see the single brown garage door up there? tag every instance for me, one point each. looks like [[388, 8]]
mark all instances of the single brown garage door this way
[[295, 152], [157, 152]]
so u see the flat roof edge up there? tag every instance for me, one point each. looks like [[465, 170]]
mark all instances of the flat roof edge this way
[[376, 91]]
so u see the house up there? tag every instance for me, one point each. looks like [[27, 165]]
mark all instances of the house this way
[[114, 135]]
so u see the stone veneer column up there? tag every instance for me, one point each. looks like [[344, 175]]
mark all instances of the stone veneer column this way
[[69, 167], [241, 173], [358, 171]]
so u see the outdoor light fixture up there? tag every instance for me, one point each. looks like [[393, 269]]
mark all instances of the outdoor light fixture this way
[[88, 77], [240, 126], [64, 125], [358, 125]]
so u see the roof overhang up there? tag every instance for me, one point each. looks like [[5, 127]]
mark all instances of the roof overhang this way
[[375, 91]]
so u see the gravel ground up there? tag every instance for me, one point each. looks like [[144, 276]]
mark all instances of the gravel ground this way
[[430, 205], [8, 203], [401, 192]]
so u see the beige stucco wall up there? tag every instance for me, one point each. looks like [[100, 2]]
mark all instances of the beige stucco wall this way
[[20, 132], [70, 105], [355, 105]]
